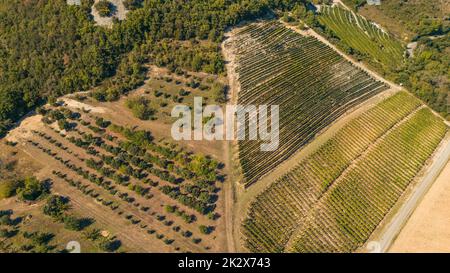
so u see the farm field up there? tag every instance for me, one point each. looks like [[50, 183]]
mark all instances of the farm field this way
[[149, 194], [427, 228], [291, 67], [334, 199], [90, 161], [360, 34]]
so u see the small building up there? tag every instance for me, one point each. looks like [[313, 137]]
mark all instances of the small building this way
[[374, 2]]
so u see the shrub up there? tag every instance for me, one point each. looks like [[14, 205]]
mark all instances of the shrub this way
[[55, 207], [140, 107], [204, 229], [132, 4], [219, 92], [109, 245], [32, 189], [8, 188], [104, 8]]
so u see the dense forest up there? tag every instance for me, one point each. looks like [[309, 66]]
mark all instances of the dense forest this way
[[48, 48], [427, 73], [407, 19]]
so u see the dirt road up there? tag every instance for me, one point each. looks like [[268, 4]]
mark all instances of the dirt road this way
[[427, 228]]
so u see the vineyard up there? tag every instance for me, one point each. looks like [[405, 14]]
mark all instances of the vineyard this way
[[155, 195], [333, 200], [313, 85], [360, 34]]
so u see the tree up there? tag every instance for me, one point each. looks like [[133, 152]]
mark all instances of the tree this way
[[219, 92], [108, 245], [73, 223], [132, 4], [104, 8], [55, 206], [204, 229], [32, 189], [8, 188], [140, 107]]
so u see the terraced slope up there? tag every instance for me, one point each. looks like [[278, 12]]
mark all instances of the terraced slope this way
[[333, 200], [362, 35], [312, 84]]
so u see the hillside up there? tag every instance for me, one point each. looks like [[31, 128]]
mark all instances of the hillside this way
[[410, 19], [312, 84], [50, 48], [333, 200]]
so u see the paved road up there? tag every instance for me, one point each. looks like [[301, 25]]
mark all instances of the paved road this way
[[402, 216]]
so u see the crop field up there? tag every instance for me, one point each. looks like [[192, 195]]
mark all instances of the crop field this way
[[334, 199], [312, 84], [362, 35], [150, 194]]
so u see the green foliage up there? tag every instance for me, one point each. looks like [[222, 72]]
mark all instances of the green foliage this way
[[76, 224], [411, 19], [92, 234], [28, 189], [39, 242], [205, 229], [204, 167], [50, 48], [132, 4], [219, 92], [32, 189], [427, 73], [140, 107], [108, 245], [100, 122], [6, 233], [355, 4], [169, 209], [8, 188], [360, 35], [56, 206], [5, 220], [104, 8]]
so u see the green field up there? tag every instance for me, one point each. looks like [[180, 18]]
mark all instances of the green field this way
[[311, 82], [365, 37], [333, 200]]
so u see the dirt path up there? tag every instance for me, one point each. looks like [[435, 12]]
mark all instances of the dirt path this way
[[228, 147], [240, 197], [393, 229]]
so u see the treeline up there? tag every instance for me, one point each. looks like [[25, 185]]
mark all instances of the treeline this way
[[192, 55], [427, 73], [50, 48], [413, 19]]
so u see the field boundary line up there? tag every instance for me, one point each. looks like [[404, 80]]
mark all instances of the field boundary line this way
[[431, 172], [246, 197], [349, 168]]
